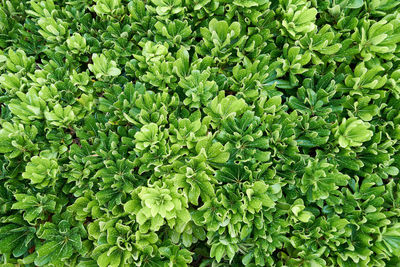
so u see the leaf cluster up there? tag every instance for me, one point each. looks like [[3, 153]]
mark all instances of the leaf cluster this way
[[199, 133]]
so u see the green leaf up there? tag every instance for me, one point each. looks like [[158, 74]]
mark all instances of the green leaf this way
[[354, 4], [16, 239]]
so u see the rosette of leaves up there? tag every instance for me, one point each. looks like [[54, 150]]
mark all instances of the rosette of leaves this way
[[60, 141], [36, 207], [117, 181], [181, 65], [140, 19], [12, 83], [377, 157], [103, 67], [261, 196], [211, 152], [257, 42], [220, 40], [212, 215], [81, 80], [43, 8], [85, 208], [149, 107], [18, 62], [151, 147], [307, 257], [261, 240], [293, 64], [175, 255], [222, 107], [153, 53], [316, 99], [320, 44], [225, 249], [328, 235], [82, 166], [244, 138], [367, 79], [297, 212], [173, 32], [204, 8], [161, 75], [10, 26], [389, 241], [378, 38], [362, 207], [28, 107], [118, 36], [195, 180], [232, 200], [382, 7], [54, 30], [259, 14], [63, 241], [60, 116], [192, 234], [107, 166], [198, 88], [77, 44], [225, 242], [156, 206], [249, 78], [16, 239], [352, 132], [113, 8], [270, 104], [61, 99], [235, 175], [361, 107], [166, 8], [152, 108], [298, 18], [320, 178], [313, 132], [185, 132], [115, 244], [42, 171], [17, 139], [156, 65], [280, 128]]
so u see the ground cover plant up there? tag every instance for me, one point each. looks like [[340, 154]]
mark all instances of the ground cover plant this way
[[199, 133]]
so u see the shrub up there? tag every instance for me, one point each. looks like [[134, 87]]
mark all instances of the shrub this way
[[199, 133]]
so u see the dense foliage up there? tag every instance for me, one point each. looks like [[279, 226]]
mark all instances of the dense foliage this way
[[199, 133]]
